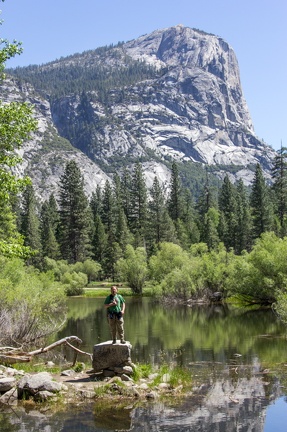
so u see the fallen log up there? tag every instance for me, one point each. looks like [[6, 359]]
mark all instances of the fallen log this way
[[12, 359], [12, 356]]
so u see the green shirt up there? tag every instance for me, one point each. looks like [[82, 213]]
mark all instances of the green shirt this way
[[118, 306]]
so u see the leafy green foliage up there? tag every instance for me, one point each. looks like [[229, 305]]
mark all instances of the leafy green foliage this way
[[74, 283], [133, 268], [74, 277], [32, 304], [168, 257], [16, 125], [261, 275]]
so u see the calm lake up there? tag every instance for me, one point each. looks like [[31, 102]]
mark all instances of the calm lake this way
[[236, 358]]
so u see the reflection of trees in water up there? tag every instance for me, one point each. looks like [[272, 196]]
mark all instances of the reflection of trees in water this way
[[182, 334]]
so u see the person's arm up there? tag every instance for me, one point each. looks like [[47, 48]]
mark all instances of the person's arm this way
[[123, 307], [107, 305]]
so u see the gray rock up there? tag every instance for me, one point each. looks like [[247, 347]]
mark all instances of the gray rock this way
[[6, 384], [10, 396], [68, 372], [143, 386], [163, 386], [33, 384], [85, 394], [132, 392], [125, 377], [107, 356], [128, 370], [151, 395]]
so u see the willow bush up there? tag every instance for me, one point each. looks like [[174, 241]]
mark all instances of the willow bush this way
[[32, 305]]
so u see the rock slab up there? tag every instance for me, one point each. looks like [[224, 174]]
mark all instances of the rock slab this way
[[107, 355]]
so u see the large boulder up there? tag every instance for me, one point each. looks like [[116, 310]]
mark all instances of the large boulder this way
[[107, 355], [33, 384]]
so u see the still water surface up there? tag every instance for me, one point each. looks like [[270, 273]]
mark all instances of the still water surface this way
[[236, 358]]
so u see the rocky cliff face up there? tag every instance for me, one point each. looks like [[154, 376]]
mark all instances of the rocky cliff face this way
[[191, 109]]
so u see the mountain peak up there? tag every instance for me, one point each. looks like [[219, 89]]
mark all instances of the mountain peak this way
[[173, 94]]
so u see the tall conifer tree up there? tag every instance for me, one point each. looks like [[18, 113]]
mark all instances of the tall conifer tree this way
[[100, 240], [126, 182], [30, 225], [138, 208], [49, 220], [261, 208], [227, 207], [175, 201], [279, 176], [75, 216], [160, 226], [244, 221]]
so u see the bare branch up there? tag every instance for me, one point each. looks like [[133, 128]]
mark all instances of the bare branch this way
[[12, 356]]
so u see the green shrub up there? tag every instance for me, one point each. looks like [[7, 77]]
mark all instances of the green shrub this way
[[74, 283], [32, 304]]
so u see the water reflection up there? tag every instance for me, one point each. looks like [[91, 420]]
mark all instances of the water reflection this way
[[231, 354], [221, 405], [183, 335]]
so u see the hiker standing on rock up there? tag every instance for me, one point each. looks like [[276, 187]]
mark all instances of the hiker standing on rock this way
[[115, 305]]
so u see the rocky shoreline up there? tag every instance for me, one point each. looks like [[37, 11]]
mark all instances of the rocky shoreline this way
[[77, 387]]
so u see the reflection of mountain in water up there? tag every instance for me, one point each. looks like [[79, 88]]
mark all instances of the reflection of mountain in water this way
[[225, 406], [221, 405]]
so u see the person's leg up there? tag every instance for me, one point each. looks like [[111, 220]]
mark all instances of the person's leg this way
[[120, 329], [113, 328]]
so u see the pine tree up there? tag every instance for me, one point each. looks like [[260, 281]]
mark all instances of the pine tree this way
[[159, 224], [210, 232], [189, 221], [108, 211], [75, 216], [122, 234], [227, 207], [49, 220], [30, 226], [206, 201], [96, 202], [261, 209], [108, 217], [126, 182], [279, 176], [138, 212], [155, 212], [244, 221], [99, 241], [175, 205]]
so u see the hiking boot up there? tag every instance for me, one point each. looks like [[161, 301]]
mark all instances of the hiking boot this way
[[114, 341], [123, 341]]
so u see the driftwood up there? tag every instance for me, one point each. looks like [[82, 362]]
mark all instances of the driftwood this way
[[13, 355]]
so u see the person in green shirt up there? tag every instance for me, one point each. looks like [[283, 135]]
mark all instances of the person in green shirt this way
[[115, 305]]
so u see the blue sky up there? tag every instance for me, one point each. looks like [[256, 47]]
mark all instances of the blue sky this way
[[255, 29]]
